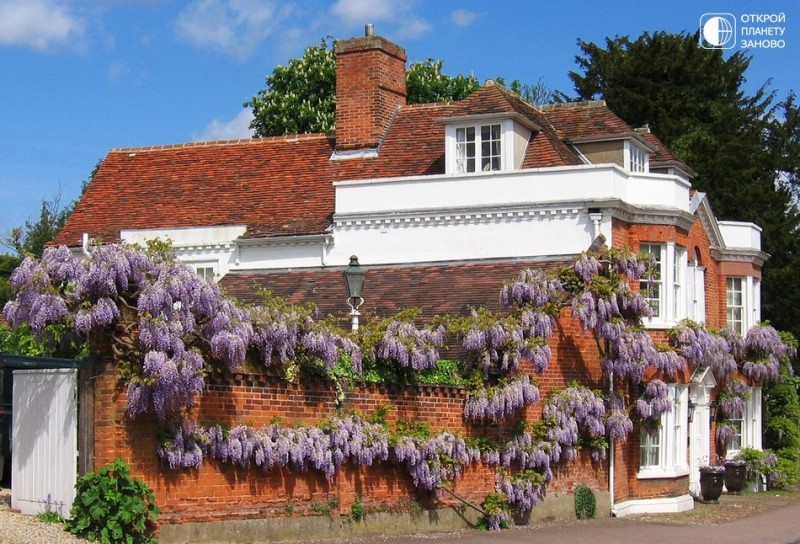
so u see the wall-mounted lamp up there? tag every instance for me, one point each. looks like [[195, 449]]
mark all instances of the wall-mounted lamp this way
[[692, 406], [354, 279], [712, 411]]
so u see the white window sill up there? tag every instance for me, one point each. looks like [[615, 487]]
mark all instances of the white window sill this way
[[653, 473], [659, 323]]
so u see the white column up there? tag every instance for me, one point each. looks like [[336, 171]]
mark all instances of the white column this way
[[699, 446]]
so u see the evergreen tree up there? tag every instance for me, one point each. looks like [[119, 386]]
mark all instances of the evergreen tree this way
[[692, 99]]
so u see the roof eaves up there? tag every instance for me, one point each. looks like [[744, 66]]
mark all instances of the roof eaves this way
[[478, 117], [612, 137]]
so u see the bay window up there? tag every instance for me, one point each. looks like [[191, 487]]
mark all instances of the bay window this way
[[747, 424], [666, 290], [735, 305], [663, 452], [742, 302]]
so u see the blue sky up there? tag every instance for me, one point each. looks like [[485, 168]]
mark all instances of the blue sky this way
[[80, 77]]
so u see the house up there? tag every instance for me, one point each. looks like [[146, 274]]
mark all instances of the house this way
[[442, 203]]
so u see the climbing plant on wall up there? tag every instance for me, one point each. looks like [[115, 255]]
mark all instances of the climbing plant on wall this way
[[169, 327]]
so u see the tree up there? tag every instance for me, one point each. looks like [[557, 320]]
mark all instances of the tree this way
[[692, 99], [31, 238], [785, 140], [300, 97]]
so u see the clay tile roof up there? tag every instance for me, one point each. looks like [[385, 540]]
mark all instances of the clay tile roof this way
[[257, 182], [663, 156], [577, 120], [283, 186]]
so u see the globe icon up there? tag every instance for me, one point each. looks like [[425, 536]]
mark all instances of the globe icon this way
[[717, 31]]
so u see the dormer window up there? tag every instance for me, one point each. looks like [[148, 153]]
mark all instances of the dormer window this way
[[479, 148], [485, 143], [638, 158]]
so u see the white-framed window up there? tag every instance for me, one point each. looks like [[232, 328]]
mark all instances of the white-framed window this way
[[649, 449], [666, 291], [678, 282], [479, 148], [696, 291], [735, 303], [748, 425], [650, 287], [206, 271], [664, 452], [743, 302], [638, 159]]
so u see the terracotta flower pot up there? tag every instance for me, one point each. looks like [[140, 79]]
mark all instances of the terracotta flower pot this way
[[735, 477], [711, 485]]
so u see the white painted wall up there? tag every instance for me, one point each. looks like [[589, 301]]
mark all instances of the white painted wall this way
[[197, 246], [520, 214], [740, 235], [587, 183], [464, 236]]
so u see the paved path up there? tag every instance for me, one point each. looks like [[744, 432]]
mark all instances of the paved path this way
[[777, 526]]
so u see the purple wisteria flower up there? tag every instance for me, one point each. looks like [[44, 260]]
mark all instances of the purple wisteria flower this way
[[575, 411], [499, 401], [733, 399], [654, 401]]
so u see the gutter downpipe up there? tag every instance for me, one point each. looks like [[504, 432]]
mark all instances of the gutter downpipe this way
[[611, 447]]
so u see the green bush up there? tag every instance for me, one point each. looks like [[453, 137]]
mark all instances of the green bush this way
[[111, 507], [585, 503]]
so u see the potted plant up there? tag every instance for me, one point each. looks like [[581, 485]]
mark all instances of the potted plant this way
[[735, 475], [711, 479]]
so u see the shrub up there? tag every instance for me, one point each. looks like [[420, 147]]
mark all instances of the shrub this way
[[585, 503], [111, 507]]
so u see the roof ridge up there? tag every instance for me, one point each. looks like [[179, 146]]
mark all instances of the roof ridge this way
[[220, 143], [429, 105], [577, 104]]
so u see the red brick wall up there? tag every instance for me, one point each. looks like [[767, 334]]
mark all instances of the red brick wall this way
[[218, 491]]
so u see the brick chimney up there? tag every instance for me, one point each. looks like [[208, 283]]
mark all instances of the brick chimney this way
[[370, 85]]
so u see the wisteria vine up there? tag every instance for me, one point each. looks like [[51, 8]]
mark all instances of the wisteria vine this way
[[169, 327]]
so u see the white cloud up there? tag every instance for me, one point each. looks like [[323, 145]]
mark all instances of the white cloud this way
[[413, 28], [399, 15], [236, 27], [361, 12], [462, 17], [38, 24], [235, 129]]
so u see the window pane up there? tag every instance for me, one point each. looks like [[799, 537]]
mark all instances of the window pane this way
[[465, 149], [491, 149], [735, 304], [651, 288], [649, 446]]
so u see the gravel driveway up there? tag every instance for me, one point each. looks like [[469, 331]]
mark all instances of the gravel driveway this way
[[21, 529]]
